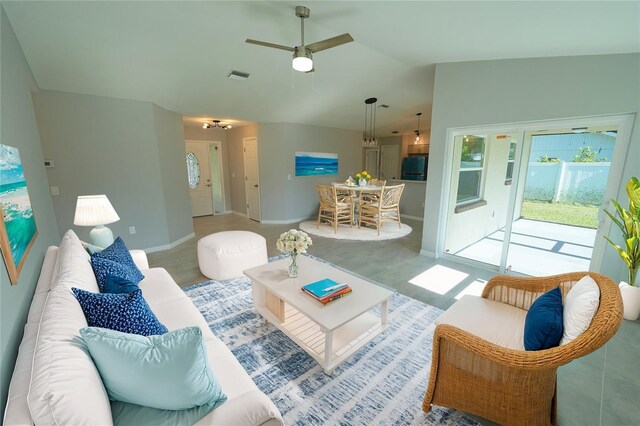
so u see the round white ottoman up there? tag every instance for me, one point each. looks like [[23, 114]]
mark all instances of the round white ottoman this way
[[225, 255]]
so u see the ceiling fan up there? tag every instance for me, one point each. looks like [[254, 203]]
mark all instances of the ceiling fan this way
[[302, 55]]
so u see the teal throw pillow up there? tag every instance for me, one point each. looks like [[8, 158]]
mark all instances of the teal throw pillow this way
[[114, 284], [543, 325], [168, 372], [126, 312]]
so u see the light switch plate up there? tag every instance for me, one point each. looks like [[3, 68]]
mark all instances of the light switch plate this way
[[55, 191]]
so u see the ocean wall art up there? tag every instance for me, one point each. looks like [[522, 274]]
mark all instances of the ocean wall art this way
[[18, 228], [316, 163]]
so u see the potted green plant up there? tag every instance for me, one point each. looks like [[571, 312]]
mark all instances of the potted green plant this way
[[628, 220]]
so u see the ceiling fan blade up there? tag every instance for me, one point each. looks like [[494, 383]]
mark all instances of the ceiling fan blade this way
[[329, 43], [273, 45]]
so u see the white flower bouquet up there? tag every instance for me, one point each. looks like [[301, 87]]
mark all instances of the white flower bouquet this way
[[293, 242]]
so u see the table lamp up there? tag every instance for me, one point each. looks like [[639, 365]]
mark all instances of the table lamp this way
[[96, 210]]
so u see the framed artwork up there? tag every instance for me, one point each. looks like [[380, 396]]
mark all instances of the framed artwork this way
[[316, 164], [18, 227]]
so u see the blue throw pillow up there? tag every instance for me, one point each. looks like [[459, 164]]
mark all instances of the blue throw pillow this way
[[168, 372], [103, 267], [126, 312], [115, 284], [543, 325], [119, 253]]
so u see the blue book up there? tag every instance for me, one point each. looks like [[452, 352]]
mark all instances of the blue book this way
[[324, 288]]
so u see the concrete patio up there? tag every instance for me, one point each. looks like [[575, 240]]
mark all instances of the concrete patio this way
[[537, 248]]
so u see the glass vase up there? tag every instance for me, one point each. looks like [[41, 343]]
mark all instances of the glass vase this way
[[293, 266]]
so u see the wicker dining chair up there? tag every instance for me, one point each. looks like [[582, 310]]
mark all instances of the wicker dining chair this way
[[374, 195], [508, 386], [331, 209], [386, 209]]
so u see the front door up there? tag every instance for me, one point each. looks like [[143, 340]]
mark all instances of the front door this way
[[199, 176], [251, 177]]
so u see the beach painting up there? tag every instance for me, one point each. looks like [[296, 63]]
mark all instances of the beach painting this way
[[18, 228], [316, 164]]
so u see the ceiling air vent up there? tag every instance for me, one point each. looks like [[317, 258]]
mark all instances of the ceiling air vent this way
[[238, 75]]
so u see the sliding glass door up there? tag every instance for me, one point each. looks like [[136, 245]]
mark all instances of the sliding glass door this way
[[530, 201]]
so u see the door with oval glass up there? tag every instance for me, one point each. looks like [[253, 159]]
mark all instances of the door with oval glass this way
[[199, 178]]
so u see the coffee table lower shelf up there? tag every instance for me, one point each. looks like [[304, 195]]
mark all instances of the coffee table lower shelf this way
[[317, 342]]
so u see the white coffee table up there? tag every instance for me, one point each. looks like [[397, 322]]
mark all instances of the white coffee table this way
[[329, 333]]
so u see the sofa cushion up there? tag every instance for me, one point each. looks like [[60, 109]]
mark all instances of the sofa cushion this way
[[168, 372], [580, 306], [115, 284], [65, 387], [493, 321], [543, 325], [103, 267], [74, 267], [125, 312], [119, 253]]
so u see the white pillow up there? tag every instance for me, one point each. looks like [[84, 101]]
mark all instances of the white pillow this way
[[580, 305], [75, 267]]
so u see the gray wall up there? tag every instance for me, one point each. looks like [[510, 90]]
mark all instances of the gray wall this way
[[18, 129], [282, 199], [110, 146], [236, 165], [412, 201], [200, 134], [508, 91], [173, 172]]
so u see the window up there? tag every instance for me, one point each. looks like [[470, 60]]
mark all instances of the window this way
[[193, 170], [471, 169], [510, 162]]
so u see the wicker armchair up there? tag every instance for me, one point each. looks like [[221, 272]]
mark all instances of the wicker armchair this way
[[507, 386], [385, 209], [331, 209]]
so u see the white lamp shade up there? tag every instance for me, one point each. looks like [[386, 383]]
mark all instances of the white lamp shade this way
[[92, 210]]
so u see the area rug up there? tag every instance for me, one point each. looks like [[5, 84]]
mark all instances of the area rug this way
[[388, 231], [382, 384]]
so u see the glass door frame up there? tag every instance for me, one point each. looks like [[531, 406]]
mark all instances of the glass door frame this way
[[625, 126]]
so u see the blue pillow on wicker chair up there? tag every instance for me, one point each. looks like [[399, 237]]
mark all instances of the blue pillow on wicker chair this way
[[125, 312], [119, 253], [543, 325]]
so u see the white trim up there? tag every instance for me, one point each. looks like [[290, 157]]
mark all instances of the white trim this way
[[406, 216], [428, 254], [171, 245], [286, 221], [239, 214], [244, 164]]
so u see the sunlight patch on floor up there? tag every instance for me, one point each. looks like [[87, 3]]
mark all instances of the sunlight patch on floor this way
[[473, 289], [439, 279]]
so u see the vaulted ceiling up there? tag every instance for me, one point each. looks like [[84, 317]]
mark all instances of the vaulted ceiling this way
[[178, 54]]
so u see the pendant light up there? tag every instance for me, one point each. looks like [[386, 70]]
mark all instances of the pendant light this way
[[418, 131], [369, 133]]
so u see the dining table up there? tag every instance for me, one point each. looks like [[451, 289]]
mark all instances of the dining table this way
[[356, 189]]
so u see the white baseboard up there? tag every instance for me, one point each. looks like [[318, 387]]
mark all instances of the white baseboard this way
[[428, 254], [286, 221], [239, 214], [171, 245], [406, 216]]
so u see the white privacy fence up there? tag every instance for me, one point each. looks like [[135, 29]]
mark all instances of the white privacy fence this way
[[567, 182]]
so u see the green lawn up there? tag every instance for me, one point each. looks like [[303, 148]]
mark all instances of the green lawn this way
[[585, 215]]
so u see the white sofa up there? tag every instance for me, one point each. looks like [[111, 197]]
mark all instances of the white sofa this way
[[54, 380]]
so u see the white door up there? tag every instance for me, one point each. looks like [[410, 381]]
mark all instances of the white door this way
[[389, 159], [371, 162], [199, 175], [251, 177]]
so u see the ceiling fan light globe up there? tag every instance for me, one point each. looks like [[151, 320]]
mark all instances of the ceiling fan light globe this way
[[302, 64]]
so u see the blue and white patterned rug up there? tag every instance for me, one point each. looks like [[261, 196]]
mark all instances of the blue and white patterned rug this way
[[382, 384]]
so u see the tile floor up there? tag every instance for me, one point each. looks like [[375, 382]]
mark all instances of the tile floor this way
[[582, 399]]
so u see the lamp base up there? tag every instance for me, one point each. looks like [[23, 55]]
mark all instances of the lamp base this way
[[101, 236]]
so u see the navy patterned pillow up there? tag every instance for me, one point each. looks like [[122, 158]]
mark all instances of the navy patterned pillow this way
[[119, 253], [125, 312], [103, 267]]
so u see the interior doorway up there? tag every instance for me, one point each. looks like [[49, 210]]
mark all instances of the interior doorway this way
[[531, 201], [251, 177]]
